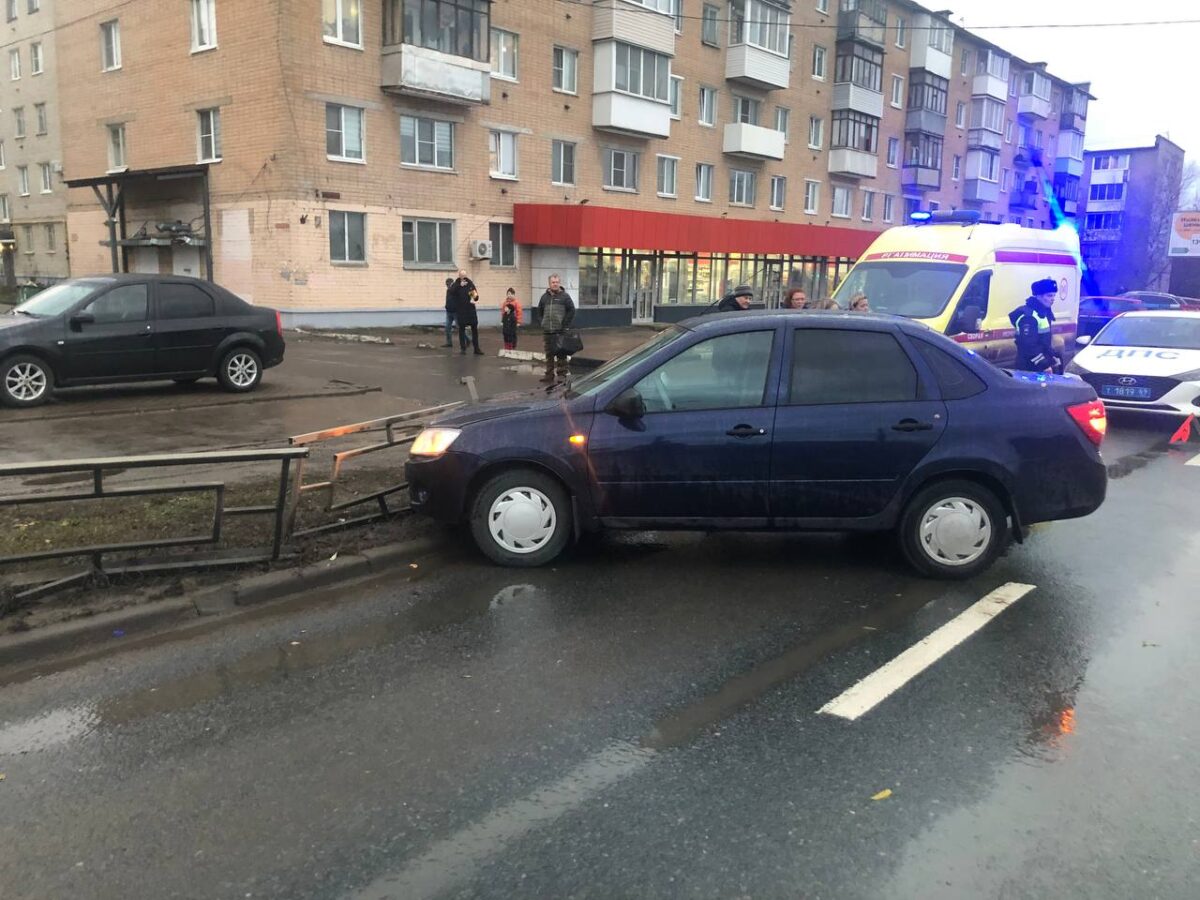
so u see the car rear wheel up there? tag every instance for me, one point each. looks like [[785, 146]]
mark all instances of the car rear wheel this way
[[521, 518], [25, 381], [240, 370], [953, 529]]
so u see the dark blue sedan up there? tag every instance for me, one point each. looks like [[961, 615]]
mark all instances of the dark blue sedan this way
[[768, 421]]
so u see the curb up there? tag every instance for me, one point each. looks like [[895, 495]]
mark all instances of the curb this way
[[344, 336]]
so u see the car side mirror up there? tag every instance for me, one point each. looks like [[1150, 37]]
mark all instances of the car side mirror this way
[[80, 319], [628, 405], [1083, 340]]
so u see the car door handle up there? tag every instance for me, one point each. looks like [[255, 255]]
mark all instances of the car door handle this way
[[746, 431], [912, 425]]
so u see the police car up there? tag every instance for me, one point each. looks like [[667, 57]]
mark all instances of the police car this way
[[1148, 361]]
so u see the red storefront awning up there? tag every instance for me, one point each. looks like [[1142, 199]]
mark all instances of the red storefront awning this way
[[562, 225]]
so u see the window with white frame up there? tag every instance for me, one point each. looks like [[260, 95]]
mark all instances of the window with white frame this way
[[1004, 180], [816, 132], [27, 232], [110, 45], [562, 162], [889, 208], [941, 36], [662, 6], [708, 105], [427, 143], [704, 181], [343, 22], [344, 133], [23, 180], [43, 120], [14, 63], [2, 161], [923, 150], [37, 61], [778, 191], [812, 196], [1008, 131], [1070, 145], [822, 6], [347, 236], [841, 201], [988, 114], [709, 31], [565, 68], [51, 237], [504, 54], [868, 209], [676, 96], [504, 250], [116, 147], [668, 176], [741, 187], [209, 125], [760, 24], [643, 72], [502, 154], [901, 32], [621, 169], [1106, 192], [204, 24], [47, 178], [819, 60], [11, 10], [745, 110], [1036, 84], [783, 116], [898, 91], [960, 115], [986, 166], [956, 167], [33, 6], [18, 121], [677, 12], [5, 215], [428, 243]]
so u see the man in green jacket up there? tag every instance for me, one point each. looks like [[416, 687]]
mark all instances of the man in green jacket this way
[[557, 311]]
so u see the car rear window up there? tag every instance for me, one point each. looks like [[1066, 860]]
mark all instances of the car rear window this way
[[954, 377], [831, 366], [183, 301]]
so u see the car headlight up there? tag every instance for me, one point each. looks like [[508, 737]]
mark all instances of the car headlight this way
[[434, 441]]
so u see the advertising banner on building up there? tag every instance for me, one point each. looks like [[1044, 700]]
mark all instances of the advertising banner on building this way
[[1185, 234]]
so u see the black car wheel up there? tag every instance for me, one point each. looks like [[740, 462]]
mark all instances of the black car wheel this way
[[521, 518], [953, 529], [25, 381], [240, 370]]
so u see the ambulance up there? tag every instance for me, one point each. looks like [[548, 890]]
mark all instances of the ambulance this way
[[963, 278]]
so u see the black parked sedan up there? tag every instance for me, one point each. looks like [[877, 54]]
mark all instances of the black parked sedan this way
[[118, 328]]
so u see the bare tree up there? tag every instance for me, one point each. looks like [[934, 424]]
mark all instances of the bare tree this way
[[1174, 188]]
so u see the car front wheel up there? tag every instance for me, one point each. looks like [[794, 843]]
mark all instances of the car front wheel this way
[[953, 529], [521, 518], [25, 381], [240, 370]]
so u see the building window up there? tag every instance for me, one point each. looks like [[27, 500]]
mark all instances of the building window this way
[[823, 6], [868, 212], [33, 6], [677, 11], [1101, 162], [841, 202], [816, 132], [18, 121], [456, 27], [428, 143], [960, 115], [704, 180], [643, 72], [343, 22], [759, 24], [344, 133], [14, 63], [347, 237], [741, 187], [782, 116], [898, 91], [210, 134], [855, 131], [1008, 131], [1004, 179], [818, 62], [566, 70], [11, 10], [621, 170], [676, 96], [27, 233], [116, 147], [428, 243], [562, 162], [923, 150], [37, 63], [988, 114], [1036, 84], [893, 153], [708, 25], [1, 154], [502, 154], [110, 45], [504, 54], [745, 110], [668, 176], [204, 25], [901, 32], [860, 65], [1106, 192], [43, 123], [47, 178], [51, 238], [965, 64], [956, 167], [928, 91], [812, 197], [4, 210], [889, 208], [504, 251], [23, 180], [708, 106], [778, 191], [985, 166]]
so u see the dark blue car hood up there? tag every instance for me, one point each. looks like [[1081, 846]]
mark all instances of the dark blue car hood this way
[[9, 322], [503, 405]]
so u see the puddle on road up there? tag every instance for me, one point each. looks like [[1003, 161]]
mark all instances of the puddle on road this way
[[47, 730]]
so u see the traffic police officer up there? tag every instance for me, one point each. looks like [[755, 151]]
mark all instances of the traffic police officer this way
[[1034, 323]]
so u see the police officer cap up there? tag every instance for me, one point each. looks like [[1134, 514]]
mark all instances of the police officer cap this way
[[743, 290], [1045, 286]]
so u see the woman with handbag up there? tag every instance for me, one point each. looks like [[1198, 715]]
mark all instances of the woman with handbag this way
[[557, 311]]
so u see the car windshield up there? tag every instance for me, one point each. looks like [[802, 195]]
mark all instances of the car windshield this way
[[594, 381], [916, 290], [56, 300], [1170, 332]]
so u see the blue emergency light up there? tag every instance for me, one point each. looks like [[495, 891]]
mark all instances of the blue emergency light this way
[[946, 217]]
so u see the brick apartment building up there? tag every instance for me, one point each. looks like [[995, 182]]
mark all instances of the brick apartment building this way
[[33, 199], [1131, 193], [339, 160]]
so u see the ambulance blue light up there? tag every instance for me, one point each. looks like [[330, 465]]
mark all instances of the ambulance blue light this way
[[920, 216]]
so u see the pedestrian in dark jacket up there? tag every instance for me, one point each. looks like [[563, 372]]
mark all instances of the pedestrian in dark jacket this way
[[465, 298], [557, 311], [449, 312], [1034, 324], [739, 300], [510, 319]]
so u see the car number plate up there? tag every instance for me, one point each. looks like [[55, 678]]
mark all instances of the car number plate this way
[[1127, 393]]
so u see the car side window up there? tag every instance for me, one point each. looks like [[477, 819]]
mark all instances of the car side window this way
[[831, 366], [973, 306], [726, 372], [127, 303], [955, 379], [183, 301]]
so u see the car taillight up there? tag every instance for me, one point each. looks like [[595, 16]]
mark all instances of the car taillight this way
[[1092, 419], [279, 322]]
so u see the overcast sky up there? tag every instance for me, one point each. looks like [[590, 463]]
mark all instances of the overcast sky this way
[[1143, 76]]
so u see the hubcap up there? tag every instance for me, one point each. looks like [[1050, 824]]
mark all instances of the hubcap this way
[[25, 381], [956, 531], [522, 520], [242, 369]]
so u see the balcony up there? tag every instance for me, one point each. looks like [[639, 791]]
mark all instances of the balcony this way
[[922, 178], [928, 57], [1023, 200], [1070, 121], [990, 86], [1069, 207], [860, 99], [925, 120], [633, 24], [1023, 158], [1103, 206], [756, 67], [982, 139], [853, 163], [634, 116], [753, 141], [1064, 165], [976, 190], [1029, 105], [1091, 235], [420, 72], [863, 20]]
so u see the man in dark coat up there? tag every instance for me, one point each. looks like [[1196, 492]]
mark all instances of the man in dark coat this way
[[465, 297], [1034, 324], [739, 300], [557, 311], [449, 312]]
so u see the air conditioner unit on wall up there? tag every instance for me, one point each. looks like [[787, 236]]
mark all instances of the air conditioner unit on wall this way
[[481, 249]]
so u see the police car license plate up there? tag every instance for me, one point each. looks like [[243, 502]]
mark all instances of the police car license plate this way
[[1125, 393]]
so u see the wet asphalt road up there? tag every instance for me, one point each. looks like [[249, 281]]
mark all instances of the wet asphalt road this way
[[641, 721]]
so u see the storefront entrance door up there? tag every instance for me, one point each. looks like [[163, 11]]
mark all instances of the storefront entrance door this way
[[641, 274]]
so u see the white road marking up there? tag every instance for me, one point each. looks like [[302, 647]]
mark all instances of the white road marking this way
[[864, 696], [1194, 461], [457, 857]]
